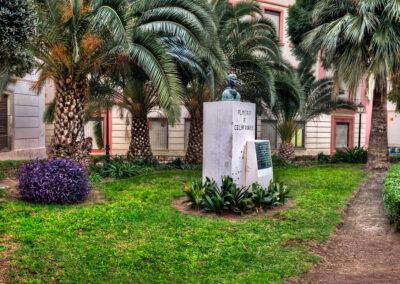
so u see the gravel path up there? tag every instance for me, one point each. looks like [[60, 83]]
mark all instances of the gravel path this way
[[364, 249]]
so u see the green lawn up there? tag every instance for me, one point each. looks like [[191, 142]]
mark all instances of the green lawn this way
[[138, 237]]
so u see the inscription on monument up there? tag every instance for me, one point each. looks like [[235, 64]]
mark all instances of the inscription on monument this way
[[263, 151], [243, 120]]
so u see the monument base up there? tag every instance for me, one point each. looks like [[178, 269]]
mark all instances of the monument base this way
[[228, 126]]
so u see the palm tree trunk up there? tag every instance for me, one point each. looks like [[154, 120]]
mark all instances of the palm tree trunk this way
[[286, 151], [194, 153], [69, 140], [140, 148], [378, 157]]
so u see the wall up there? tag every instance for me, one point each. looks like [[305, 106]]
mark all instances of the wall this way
[[121, 134], [26, 108], [393, 126]]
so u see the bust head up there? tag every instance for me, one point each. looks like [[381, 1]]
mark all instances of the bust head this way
[[230, 93], [232, 80]]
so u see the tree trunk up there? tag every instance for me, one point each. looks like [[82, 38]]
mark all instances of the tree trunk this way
[[286, 151], [194, 153], [69, 139], [140, 148], [378, 157]]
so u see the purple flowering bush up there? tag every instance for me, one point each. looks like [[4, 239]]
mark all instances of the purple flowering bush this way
[[53, 182]]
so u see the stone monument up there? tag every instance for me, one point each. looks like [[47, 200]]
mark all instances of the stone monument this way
[[228, 132]]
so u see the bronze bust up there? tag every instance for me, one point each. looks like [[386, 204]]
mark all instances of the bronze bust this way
[[230, 93]]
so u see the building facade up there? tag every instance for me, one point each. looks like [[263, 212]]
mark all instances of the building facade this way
[[23, 134], [325, 134]]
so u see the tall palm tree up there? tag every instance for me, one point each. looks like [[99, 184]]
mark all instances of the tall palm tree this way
[[361, 39], [252, 50], [300, 98], [77, 37], [198, 76], [139, 97]]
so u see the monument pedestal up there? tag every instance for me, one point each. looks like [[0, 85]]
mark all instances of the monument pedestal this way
[[227, 127]]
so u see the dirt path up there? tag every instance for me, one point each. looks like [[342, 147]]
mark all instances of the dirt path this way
[[364, 249]]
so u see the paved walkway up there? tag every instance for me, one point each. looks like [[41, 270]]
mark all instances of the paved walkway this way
[[364, 249]]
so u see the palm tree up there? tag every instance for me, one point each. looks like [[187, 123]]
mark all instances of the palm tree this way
[[359, 40], [138, 96], [252, 50], [198, 76], [300, 98], [78, 37]]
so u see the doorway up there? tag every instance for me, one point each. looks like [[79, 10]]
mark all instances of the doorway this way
[[4, 124], [342, 133]]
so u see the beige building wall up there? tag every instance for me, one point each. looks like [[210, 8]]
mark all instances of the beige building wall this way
[[26, 129], [121, 134], [393, 126]]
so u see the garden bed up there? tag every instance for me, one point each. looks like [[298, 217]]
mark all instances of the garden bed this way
[[181, 204]]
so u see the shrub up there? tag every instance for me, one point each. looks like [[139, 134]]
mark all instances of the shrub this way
[[119, 168], [261, 197], [238, 199], [353, 155], [279, 193], [391, 196], [215, 201], [233, 198], [53, 182], [195, 193], [278, 162], [179, 164], [324, 159]]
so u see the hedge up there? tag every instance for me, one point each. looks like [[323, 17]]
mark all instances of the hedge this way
[[391, 195]]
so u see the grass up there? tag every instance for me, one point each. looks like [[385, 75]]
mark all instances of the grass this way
[[137, 237], [9, 169]]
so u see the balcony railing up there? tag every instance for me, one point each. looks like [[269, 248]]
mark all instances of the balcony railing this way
[[5, 143]]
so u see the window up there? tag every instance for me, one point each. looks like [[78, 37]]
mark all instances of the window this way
[[268, 132], [275, 17], [4, 139], [158, 133], [94, 128], [298, 138], [187, 131], [342, 135]]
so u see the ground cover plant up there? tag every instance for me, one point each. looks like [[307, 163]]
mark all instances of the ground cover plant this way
[[57, 181], [137, 236], [120, 167], [391, 196]]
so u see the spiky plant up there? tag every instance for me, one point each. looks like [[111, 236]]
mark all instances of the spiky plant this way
[[360, 39], [301, 98], [77, 37]]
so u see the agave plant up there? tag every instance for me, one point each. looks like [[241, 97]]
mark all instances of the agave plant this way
[[78, 37]]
